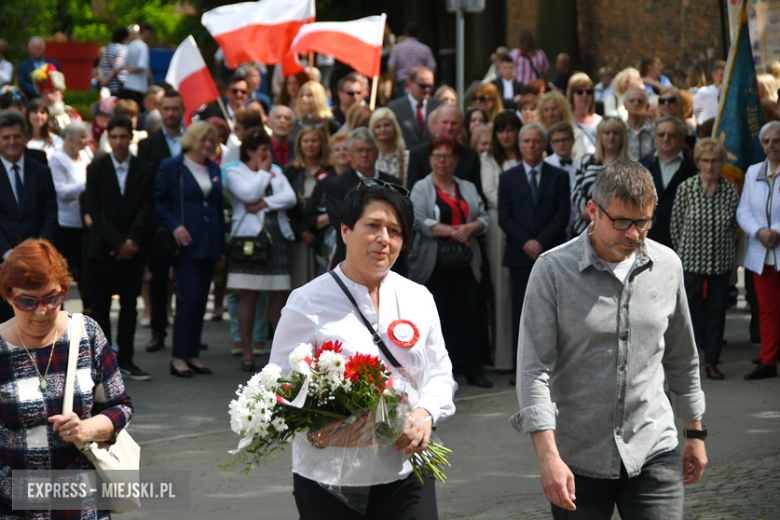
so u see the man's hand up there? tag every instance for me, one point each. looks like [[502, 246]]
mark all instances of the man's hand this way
[[557, 478], [694, 460], [533, 248], [127, 250]]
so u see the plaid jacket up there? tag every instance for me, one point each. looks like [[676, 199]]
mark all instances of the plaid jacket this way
[[27, 438]]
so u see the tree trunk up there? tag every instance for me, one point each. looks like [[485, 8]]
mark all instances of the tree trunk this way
[[556, 30]]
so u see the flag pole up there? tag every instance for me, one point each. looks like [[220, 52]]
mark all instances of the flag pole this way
[[311, 63], [225, 113], [375, 82]]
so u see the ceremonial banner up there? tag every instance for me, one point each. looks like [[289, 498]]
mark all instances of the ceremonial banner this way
[[357, 43], [258, 31], [189, 75], [740, 117]]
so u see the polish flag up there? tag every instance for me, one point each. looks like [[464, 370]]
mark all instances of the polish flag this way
[[189, 75], [357, 43], [257, 31]]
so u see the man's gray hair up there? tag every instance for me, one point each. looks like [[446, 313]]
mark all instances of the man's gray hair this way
[[537, 126], [153, 90], [673, 119], [635, 89], [772, 125], [277, 108], [11, 118], [74, 129], [244, 69], [364, 134], [627, 181], [35, 39]]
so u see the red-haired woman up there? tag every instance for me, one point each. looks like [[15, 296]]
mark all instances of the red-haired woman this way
[[445, 257], [34, 346]]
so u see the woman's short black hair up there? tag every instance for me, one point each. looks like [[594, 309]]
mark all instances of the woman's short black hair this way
[[120, 121], [358, 199], [120, 34], [253, 137]]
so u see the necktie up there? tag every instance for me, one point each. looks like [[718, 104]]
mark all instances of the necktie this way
[[19, 186], [420, 120], [533, 184], [567, 162]]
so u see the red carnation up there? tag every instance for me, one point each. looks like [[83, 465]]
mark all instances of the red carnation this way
[[334, 346]]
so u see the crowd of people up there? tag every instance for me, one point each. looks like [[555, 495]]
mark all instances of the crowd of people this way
[[263, 198]]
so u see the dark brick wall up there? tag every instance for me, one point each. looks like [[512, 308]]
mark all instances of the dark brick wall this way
[[620, 32]]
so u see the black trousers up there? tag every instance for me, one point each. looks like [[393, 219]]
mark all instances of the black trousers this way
[[400, 500], [520, 276], [708, 301], [158, 292], [70, 243], [110, 277]]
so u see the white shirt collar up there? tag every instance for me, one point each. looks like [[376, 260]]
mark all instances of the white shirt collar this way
[[124, 164], [528, 168], [376, 174], [414, 103], [8, 165]]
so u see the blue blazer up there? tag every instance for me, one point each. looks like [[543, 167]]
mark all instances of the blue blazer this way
[[522, 220], [23, 75], [203, 216]]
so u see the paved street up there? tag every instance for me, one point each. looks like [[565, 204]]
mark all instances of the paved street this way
[[183, 424]]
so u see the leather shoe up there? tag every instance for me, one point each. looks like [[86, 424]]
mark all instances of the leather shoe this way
[[761, 372], [180, 373], [713, 372], [480, 381], [157, 343], [755, 360], [199, 370], [248, 366]]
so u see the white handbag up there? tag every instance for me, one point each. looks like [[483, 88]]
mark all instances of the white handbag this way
[[125, 453]]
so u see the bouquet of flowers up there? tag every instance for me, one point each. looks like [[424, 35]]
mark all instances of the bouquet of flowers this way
[[337, 402]]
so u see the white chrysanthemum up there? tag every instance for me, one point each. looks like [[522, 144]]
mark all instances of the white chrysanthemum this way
[[240, 414], [279, 424], [300, 353], [270, 375], [332, 363]]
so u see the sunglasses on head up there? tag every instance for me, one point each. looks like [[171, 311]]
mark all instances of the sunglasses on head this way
[[377, 183], [28, 303], [664, 101]]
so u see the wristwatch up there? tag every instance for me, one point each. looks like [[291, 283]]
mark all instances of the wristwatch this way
[[695, 434]]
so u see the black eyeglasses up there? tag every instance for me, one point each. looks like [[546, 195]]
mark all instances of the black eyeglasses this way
[[664, 101], [376, 183], [624, 224], [237, 91]]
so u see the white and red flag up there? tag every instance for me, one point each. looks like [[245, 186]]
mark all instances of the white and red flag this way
[[258, 31], [189, 75], [357, 43]]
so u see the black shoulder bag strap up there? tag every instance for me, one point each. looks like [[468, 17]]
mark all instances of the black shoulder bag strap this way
[[374, 334]]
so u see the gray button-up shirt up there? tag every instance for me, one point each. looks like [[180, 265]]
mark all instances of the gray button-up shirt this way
[[641, 143], [593, 354]]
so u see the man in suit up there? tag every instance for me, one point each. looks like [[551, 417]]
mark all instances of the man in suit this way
[[160, 145], [533, 211], [28, 201], [508, 87], [350, 92], [281, 121], [363, 153], [669, 167], [412, 110], [449, 122], [36, 49], [120, 196]]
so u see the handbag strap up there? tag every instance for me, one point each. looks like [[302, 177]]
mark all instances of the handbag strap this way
[[76, 332], [374, 334], [262, 225]]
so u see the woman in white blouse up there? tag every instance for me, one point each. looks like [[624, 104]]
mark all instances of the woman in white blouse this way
[[503, 155], [69, 173], [376, 224], [39, 133], [393, 155], [581, 96], [259, 194]]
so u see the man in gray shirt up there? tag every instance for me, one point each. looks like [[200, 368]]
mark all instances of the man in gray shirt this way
[[605, 321]]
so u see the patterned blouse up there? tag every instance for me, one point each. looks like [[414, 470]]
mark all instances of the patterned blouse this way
[[391, 164], [583, 190], [703, 226], [27, 439]]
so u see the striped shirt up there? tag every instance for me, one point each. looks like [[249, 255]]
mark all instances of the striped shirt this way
[[113, 57], [531, 67], [29, 439]]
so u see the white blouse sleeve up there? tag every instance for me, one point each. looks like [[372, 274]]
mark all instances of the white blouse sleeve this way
[[246, 188], [283, 195], [68, 189]]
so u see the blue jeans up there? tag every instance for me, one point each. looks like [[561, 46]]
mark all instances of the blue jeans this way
[[260, 330], [655, 494]]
